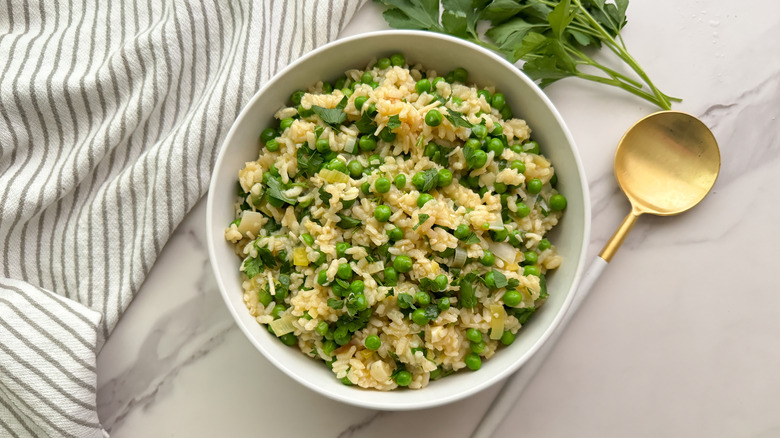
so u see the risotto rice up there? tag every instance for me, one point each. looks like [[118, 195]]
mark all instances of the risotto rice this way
[[393, 225]]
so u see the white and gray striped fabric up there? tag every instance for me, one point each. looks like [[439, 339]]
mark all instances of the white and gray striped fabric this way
[[111, 116]]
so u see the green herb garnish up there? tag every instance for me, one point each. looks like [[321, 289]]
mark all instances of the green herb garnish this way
[[332, 116]]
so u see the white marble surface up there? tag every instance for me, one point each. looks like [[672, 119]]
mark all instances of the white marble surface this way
[[678, 338]]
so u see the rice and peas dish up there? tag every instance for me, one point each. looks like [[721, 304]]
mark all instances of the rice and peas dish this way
[[393, 225]]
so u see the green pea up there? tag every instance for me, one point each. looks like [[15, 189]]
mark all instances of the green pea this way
[[360, 101], [366, 78], [433, 118], [442, 282], [371, 110], [383, 63], [322, 278], [322, 145], [497, 130], [373, 342], [423, 199], [382, 185], [479, 131], [341, 249], [516, 238], [473, 144], [398, 60], [272, 145], [402, 263], [435, 374], [419, 318], [382, 213], [430, 150], [523, 210], [531, 147], [512, 298], [443, 304], [422, 86], [456, 100], [347, 91], [278, 310], [360, 301], [445, 178], [507, 338], [395, 234], [357, 287], [391, 276], [375, 160], [473, 361], [478, 160], [422, 298], [328, 346], [518, 165], [403, 378], [265, 297], [490, 280], [387, 135], [340, 82], [500, 188], [516, 148], [557, 202], [342, 335], [462, 232], [365, 188], [403, 303], [285, 123], [485, 94], [327, 88], [418, 180], [268, 134], [544, 244], [367, 143], [461, 75], [289, 339], [337, 165], [473, 335], [478, 347], [487, 259], [534, 185], [321, 258], [499, 235], [296, 97], [307, 239], [436, 80], [498, 101], [400, 181], [344, 272], [530, 258], [339, 290], [304, 113], [355, 169], [322, 328], [496, 145], [531, 270]]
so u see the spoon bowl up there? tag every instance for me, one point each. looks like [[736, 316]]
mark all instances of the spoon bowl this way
[[667, 163]]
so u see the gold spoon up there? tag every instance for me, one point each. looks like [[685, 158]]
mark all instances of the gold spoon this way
[[665, 164]]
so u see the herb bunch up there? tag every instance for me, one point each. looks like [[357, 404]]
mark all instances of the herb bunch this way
[[552, 37]]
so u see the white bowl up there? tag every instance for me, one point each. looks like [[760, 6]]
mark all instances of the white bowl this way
[[442, 53]]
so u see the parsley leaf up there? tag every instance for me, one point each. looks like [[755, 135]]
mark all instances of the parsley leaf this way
[[335, 304], [543, 286], [275, 189], [332, 116], [472, 239], [431, 178], [309, 161], [406, 301], [552, 37], [394, 122], [467, 297], [347, 222], [457, 119], [421, 220], [366, 124], [523, 314], [500, 279], [253, 266]]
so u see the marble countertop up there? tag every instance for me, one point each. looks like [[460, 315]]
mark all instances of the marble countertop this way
[[678, 338]]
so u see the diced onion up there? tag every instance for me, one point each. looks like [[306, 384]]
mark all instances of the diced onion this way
[[498, 317], [299, 257], [283, 325], [334, 176], [504, 251], [349, 145], [375, 267], [250, 222], [497, 224], [460, 257]]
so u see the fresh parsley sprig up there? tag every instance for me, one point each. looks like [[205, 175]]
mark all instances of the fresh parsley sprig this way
[[552, 37]]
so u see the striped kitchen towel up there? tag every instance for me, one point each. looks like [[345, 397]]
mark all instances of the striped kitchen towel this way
[[111, 116]]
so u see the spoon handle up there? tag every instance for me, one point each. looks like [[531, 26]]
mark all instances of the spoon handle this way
[[516, 383]]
